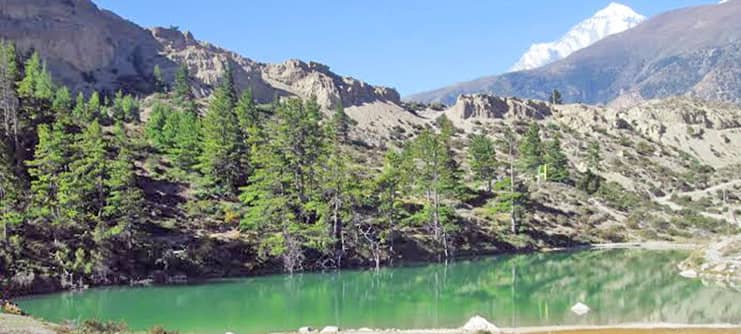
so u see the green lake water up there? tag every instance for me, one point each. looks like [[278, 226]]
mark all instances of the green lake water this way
[[621, 286]]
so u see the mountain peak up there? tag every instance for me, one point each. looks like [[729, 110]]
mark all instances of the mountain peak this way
[[615, 9], [610, 20]]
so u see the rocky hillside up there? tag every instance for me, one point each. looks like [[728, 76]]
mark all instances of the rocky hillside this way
[[87, 48], [692, 51]]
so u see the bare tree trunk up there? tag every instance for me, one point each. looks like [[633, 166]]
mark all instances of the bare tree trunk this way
[[512, 188]]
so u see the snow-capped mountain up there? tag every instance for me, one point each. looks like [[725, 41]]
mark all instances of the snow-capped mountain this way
[[612, 19]]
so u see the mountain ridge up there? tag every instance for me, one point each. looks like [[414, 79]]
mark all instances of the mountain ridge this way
[[689, 51], [610, 20], [88, 48]]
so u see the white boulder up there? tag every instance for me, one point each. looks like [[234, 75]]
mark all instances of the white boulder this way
[[306, 330], [478, 323], [580, 309], [330, 330], [689, 273]]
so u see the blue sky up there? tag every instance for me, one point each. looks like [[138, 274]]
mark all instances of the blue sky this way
[[411, 45]]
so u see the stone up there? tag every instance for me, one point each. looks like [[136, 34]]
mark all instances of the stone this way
[[306, 330], [580, 309], [330, 330], [479, 324], [689, 273]]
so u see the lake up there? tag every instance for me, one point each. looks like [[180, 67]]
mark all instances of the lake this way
[[621, 286]]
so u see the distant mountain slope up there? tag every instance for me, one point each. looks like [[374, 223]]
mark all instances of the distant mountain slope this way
[[88, 48], [693, 51], [610, 20]]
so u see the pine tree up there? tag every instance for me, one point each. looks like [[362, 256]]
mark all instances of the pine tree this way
[[80, 111], [481, 157], [436, 178], [556, 161], [155, 127], [44, 88], [531, 150], [50, 162], [124, 200], [342, 123], [10, 193], [447, 129], [337, 183], [556, 97], [182, 89], [219, 160], [250, 128], [281, 197], [32, 72], [93, 107], [130, 108], [185, 145], [384, 194], [509, 144], [62, 103], [86, 192], [124, 107]]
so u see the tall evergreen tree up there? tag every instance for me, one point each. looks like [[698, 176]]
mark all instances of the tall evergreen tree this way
[[341, 123], [531, 149], [155, 126], [384, 194], [481, 157], [250, 128], [182, 89], [556, 97], [281, 197], [10, 192], [80, 111], [219, 160], [93, 107], [85, 193], [124, 199], [44, 88], [509, 144], [185, 145], [556, 162], [436, 179], [32, 72], [50, 162], [62, 103]]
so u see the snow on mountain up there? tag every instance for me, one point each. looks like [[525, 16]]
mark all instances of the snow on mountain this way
[[612, 19]]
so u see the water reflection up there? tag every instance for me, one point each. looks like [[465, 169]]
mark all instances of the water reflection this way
[[526, 290]]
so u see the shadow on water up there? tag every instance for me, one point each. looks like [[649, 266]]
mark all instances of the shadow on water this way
[[522, 290]]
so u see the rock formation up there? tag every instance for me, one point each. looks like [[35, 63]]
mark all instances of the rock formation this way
[[483, 106], [87, 48]]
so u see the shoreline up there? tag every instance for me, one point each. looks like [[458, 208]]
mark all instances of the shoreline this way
[[621, 328], [647, 245]]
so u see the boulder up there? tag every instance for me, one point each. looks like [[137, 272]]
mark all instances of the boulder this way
[[306, 330], [580, 309], [330, 330], [480, 324], [689, 273]]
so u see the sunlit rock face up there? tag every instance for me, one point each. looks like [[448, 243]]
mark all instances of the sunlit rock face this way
[[88, 48]]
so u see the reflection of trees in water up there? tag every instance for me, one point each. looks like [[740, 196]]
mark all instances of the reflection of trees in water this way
[[620, 286]]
